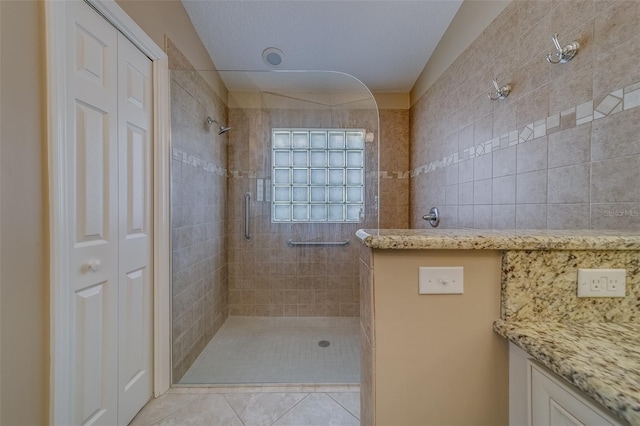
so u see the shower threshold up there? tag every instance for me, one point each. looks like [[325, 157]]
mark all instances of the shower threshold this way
[[268, 351]]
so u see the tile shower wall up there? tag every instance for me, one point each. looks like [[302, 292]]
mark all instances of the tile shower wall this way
[[562, 151], [266, 276], [198, 194], [394, 166]]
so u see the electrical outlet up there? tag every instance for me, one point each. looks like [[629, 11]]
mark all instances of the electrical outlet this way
[[601, 282]]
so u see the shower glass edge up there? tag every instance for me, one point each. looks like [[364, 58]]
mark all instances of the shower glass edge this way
[[223, 229]]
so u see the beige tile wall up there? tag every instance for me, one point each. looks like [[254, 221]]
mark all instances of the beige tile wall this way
[[266, 276], [394, 168], [198, 221], [562, 151]]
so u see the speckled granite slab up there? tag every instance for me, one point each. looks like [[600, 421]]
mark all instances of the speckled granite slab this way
[[542, 286], [602, 360], [465, 239]]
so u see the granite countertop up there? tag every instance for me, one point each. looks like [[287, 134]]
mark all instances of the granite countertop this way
[[498, 240], [601, 359]]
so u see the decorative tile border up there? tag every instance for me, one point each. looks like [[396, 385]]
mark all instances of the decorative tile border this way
[[393, 175], [191, 160], [616, 101]]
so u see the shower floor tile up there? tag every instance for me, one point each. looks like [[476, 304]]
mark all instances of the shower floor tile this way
[[253, 350]]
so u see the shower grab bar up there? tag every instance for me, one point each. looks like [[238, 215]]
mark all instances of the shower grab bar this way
[[344, 243], [247, 213]]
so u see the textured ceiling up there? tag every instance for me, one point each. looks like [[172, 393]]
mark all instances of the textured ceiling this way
[[385, 44]]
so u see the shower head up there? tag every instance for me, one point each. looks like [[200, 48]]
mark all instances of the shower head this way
[[221, 129]]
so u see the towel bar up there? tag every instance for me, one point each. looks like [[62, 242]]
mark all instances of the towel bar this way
[[292, 243]]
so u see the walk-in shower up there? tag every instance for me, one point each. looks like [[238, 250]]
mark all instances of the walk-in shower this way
[[265, 268]]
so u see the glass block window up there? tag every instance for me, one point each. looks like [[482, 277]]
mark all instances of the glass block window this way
[[318, 175]]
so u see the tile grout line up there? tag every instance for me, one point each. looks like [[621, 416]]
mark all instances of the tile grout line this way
[[224, 395], [197, 398], [345, 408], [291, 408]]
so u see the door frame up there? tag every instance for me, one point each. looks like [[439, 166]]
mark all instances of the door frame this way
[[57, 62]]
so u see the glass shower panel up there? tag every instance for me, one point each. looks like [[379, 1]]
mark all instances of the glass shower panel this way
[[303, 153], [302, 137]]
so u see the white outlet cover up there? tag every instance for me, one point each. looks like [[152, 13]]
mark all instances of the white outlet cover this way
[[441, 280], [601, 282]]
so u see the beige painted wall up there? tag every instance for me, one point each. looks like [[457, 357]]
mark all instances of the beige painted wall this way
[[438, 362], [24, 240], [392, 100], [160, 18], [472, 18]]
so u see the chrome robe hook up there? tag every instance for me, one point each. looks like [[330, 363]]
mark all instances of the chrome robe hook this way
[[562, 54], [433, 217], [500, 92]]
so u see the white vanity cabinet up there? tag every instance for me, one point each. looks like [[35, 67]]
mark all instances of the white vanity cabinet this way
[[538, 397]]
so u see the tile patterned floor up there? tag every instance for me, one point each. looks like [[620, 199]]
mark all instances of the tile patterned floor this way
[[254, 406], [248, 350]]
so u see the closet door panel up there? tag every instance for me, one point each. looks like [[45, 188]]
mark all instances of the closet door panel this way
[[109, 220], [92, 214], [135, 230]]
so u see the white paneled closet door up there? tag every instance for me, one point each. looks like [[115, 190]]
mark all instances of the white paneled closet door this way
[[135, 377], [109, 151], [93, 213]]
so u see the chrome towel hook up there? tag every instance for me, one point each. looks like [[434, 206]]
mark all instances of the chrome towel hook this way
[[562, 54], [433, 217], [500, 92]]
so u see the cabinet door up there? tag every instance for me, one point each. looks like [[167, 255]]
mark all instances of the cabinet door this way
[[553, 403]]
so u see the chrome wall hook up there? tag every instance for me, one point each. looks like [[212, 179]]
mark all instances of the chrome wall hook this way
[[433, 217], [500, 92], [562, 54]]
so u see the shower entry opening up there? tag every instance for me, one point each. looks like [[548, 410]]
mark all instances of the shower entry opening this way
[[265, 268]]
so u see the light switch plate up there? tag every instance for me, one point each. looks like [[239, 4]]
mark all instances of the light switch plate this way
[[441, 280], [601, 282]]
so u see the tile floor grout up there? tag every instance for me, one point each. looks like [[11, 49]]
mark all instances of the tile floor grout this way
[[249, 350], [287, 412], [234, 410], [298, 414], [340, 404]]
